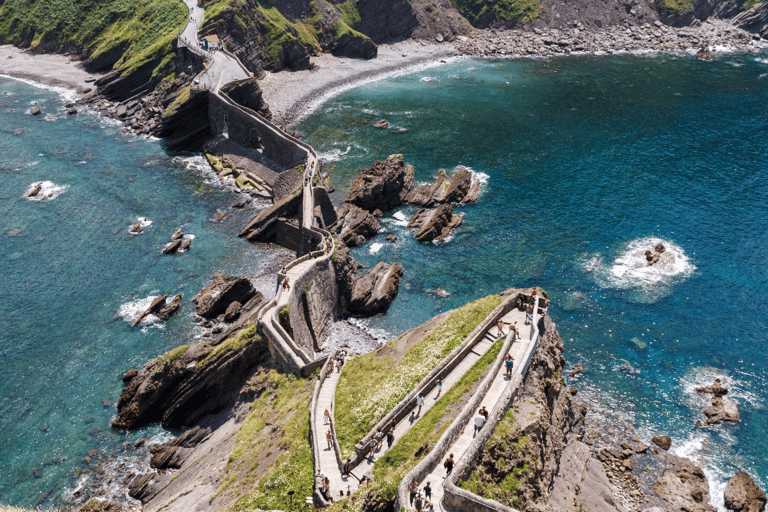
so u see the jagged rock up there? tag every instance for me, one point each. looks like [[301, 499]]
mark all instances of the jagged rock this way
[[704, 54], [172, 454], [177, 235], [94, 505], [263, 227], [248, 94], [381, 124], [170, 308], [355, 225], [576, 370], [129, 375], [172, 247], [36, 190], [345, 267], [721, 410], [684, 487], [743, 495], [214, 299], [382, 186], [372, 293], [144, 487], [391, 238], [35, 111], [185, 244], [663, 442], [434, 225], [160, 309], [324, 212], [460, 188], [165, 390], [233, 311], [136, 228], [71, 111]]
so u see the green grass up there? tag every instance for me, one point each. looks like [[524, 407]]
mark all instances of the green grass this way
[[247, 335], [143, 31], [675, 6], [182, 98], [349, 13], [371, 385], [477, 11], [284, 404], [172, 356]]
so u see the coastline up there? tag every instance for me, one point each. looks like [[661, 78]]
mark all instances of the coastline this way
[[47, 69]]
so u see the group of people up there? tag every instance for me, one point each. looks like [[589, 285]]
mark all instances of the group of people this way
[[480, 419], [323, 483], [421, 498], [376, 441], [336, 363]]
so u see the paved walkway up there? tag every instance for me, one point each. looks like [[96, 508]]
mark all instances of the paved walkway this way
[[449, 381], [500, 383]]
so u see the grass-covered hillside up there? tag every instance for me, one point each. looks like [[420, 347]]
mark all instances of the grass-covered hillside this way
[[126, 33]]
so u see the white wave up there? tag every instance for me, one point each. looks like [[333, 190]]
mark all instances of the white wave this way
[[32, 163], [631, 266], [131, 310], [333, 155], [69, 492], [68, 95], [762, 61], [402, 219], [428, 79], [48, 190], [375, 248], [142, 221]]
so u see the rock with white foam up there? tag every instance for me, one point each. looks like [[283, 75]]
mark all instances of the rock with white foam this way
[[743, 495], [720, 410]]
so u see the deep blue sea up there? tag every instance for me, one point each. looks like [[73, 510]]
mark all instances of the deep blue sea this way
[[72, 277], [586, 161]]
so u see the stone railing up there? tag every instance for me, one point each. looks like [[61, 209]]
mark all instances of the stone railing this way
[[465, 500], [445, 367]]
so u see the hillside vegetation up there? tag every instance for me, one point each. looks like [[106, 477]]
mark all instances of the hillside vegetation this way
[[120, 32]]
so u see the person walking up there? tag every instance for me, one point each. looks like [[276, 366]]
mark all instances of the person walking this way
[[413, 490], [509, 363], [419, 402], [439, 384], [428, 491], [500, 327], [448, 465], [327, 416], [484, 412], [329, 438], [372, 446], [418, 502], [479, 422], [379, 439], [528, 314], [390, 437]]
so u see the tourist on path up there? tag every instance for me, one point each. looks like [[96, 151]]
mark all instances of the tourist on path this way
[[414, 489], [390, 437], [500, 327], [372, 446], [509, 363], [484, 412], [327, 416], [285, 284], [419, 402], [448, 465], [439, 384], [345, 468], [329, 438], [379, 439], [479, 422], [429, 507], [528, 314], [418, 502], [428, 491]]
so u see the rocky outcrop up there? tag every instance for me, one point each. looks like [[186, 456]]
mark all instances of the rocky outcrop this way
[[172, 454], [720, 409], [223, 290], [743, 495], [683, 487], [35, 111], [663, 442], [754, 19], [345, 267], [434, 225], [263, 227], [185, 384], [161, 307], [94, 505], [384, 185], [373, 292], [185, 127], [355, 225], [459, 188], [248, 94]]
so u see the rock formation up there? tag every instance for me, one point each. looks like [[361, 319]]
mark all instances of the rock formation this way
[[663, 442], [214, 299], [743, 495], [172, 454], [263, 227], [183, 385], [720, 410], [248, 94], [434, 225], [345, 268], [459, 188], [161, 308], [35, 111], [384, 185], [355, 225], [683, 486], [372, 293]]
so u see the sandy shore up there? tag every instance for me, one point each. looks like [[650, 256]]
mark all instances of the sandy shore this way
[[50, 69], [292, 94]]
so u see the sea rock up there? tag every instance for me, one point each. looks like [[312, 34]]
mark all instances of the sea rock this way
[[720, 410], [372, 293], [434, 225], [185, 244], [160, 308], [71, 111], [165, 390], [35, 111], [659, 256], [743, 495], [684, 487], [35, 190], [214, 299], [459, 188], [170, 308], [172, 247], [576, 370], [233, 311], [172, 454], [391, 238], [704, 54], [663, 442], [177, 235], [355, 225], [381, 124], [382, 186], [345, 267], [136, 228]]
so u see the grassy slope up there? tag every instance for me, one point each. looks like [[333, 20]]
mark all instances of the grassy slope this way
[[145, 30], [477, 11], [371, 385]]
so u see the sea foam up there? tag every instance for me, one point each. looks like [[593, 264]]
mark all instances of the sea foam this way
[[48, 190]]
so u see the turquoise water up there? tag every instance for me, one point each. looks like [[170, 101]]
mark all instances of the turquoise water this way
[[587, 160], [68, 265]]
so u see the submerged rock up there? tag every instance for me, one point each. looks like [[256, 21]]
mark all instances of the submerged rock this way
[[743, 495], [35, 111], [720, 410], [663, 442], [704, 54], [381, 124]]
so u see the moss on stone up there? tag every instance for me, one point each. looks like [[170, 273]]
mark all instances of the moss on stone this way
[[247, 335]]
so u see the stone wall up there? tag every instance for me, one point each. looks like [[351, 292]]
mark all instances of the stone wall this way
[[312, 307]]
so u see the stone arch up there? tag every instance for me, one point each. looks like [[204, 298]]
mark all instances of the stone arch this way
[[254, 138], [221, 122]]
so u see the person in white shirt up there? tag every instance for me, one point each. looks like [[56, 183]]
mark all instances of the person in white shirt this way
[[479, 422]]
